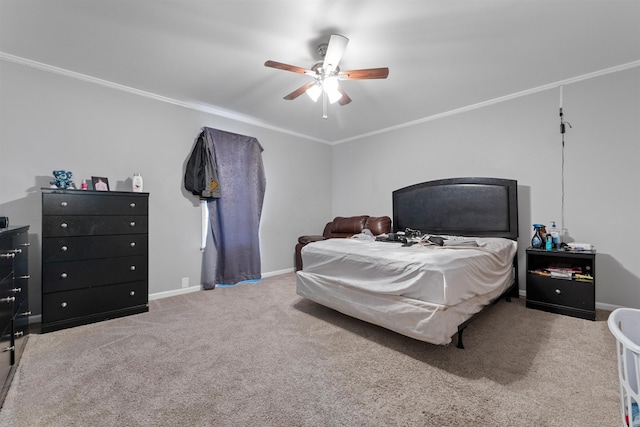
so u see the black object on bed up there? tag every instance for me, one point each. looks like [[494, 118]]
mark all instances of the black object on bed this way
[[482, 207]]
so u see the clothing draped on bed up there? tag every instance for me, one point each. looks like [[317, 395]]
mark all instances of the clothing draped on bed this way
[[424, 292]]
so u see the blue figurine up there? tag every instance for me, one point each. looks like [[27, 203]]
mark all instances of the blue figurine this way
[[62, 179]]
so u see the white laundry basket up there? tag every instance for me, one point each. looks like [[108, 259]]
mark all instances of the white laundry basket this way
[[624, 324]]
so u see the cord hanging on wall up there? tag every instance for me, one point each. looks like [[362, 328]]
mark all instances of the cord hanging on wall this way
[[563, 129]]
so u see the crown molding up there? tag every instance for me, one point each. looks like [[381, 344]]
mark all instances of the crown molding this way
[[190, 105], [255, 122], [482, 104]]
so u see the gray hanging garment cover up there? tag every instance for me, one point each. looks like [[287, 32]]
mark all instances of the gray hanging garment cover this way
[[201, 174], [234, 218]]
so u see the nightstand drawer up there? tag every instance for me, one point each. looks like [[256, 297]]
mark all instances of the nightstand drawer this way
[[561, 292]]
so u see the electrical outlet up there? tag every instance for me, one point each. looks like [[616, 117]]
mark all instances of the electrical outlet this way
[[185, 282]]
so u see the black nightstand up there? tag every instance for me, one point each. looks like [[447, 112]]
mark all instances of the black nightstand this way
[[562, 282]]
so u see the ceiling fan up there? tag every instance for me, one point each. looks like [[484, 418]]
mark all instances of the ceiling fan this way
[[326, 74]]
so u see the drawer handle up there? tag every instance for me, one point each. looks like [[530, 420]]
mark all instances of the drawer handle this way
[[16, 251], [26, 313], [18, 334], [63, 305], [8, 349], [132, 244], [558, 291], [132, 293], [63, 204], [11, 255], [132, 224], [63, 276], [16, 290], [133, 205], [8, 299], [63, 225], [26, 276], [25, 244], [64, 248], [132, 268]]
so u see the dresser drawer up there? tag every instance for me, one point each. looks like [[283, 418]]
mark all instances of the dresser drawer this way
[[61, 276], [20, 330], [7, 300], [6, 352], [89, 247], [6, 262], [20, 295], [21, 289], [93, 225], [6, 278], [567, 293], [67, 305], [94, 204]]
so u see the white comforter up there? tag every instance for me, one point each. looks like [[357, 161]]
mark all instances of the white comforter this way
[[435, 274]]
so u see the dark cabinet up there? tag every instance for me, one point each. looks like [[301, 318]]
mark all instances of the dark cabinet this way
[[14, 300], [562, 282], [94, 256]]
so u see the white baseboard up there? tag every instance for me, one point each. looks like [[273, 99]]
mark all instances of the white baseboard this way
[[182, 291], [608, 307], [174, 292], [276, 273]]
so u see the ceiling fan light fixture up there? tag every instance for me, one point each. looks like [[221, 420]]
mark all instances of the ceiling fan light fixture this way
[[330, 86], [314, 92], [327, 73], [333, 94]]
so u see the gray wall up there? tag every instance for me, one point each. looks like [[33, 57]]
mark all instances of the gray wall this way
[[519, 139], [50, 121]]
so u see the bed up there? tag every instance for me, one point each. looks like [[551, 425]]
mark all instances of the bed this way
[[416, 287]]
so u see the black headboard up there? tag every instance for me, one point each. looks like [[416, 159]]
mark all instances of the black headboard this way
[[479, 207]]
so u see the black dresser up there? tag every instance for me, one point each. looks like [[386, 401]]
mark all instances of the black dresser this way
[[14, 300], [94, 256]]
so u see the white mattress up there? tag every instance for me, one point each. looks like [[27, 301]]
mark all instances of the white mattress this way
[[420, 292], [436, 274]]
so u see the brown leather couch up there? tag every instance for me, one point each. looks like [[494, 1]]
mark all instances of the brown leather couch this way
[[342, 227]]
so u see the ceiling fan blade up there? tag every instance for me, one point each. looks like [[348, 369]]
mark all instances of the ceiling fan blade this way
[[335, 50], [368, 73], [287, 67], [302, 89], [345, 98]]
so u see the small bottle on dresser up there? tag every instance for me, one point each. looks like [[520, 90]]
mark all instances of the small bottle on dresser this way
[[136, 183]]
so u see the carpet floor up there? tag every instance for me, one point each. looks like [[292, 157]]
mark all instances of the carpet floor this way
[[259, 355]]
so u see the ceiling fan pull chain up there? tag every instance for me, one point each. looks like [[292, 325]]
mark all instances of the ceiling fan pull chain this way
[[324, 105]]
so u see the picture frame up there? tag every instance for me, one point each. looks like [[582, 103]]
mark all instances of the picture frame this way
[[100, 183]]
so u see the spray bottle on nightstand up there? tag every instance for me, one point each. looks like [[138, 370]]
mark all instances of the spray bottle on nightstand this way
[[537, 241]]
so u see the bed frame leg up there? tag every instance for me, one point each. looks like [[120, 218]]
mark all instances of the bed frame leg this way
[[460, 345]]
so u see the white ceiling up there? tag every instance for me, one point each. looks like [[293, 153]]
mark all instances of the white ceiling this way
[[443, 55]]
